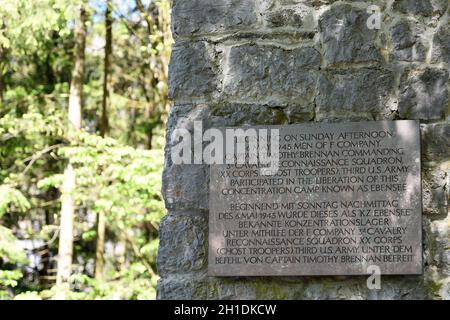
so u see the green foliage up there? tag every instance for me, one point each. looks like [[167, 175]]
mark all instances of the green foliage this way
[[42, 16], [9, 278], [12, 200], [127, 184], [10, 250], [119, 175], [28, 295]]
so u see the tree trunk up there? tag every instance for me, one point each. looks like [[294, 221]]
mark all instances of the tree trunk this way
[[122, 256], [65, 249], [2, 76], [104, 126], [150, 138], [146, 15], [2, 67], [2, 88], [104, 129], [148, 117], [99, 252]]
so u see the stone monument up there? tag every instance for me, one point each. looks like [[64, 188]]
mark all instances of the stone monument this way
[[371, 76]]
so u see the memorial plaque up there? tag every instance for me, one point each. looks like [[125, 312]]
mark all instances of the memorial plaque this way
[[344, 197]]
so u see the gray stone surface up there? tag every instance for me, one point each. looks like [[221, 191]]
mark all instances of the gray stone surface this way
[[191, 71], [182, 287], [319, 3], [436, 141], [198, 286], [435, 192], [361, 90], [271, 74], [441, 45], [183, 241], [407, 41], [299, 17], [424, 94], [247, 114], [285, 17], [184, 186], [212, 16], [421, 7], [343, 39]]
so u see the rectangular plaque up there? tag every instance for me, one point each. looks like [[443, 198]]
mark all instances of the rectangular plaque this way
[[346, 196]]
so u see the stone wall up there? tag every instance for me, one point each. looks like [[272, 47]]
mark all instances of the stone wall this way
[[239, 62]]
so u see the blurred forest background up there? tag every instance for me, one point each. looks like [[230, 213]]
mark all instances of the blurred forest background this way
[[83, 102]]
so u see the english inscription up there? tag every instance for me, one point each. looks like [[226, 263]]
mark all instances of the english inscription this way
[[345, 197]]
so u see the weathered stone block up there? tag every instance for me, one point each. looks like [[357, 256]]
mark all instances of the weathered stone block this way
[[346, 37], [436, 141], [182, 287], [185, 186], [441, 45], [357, 91], [300, 17], [190, 17], [183, 244], [296, 113], [407, 41], [318, 3], [423, 94], [440, 231], [246, 114], [434, 192], [191, 72], [284, 17], [437, 244], [421, 7], [315, 288], [271, 75]]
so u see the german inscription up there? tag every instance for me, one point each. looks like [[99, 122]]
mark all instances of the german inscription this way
[[344, 197]]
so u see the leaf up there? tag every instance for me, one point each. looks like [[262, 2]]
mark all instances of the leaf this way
[[12, 197], [9, 278], [10, 249]]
